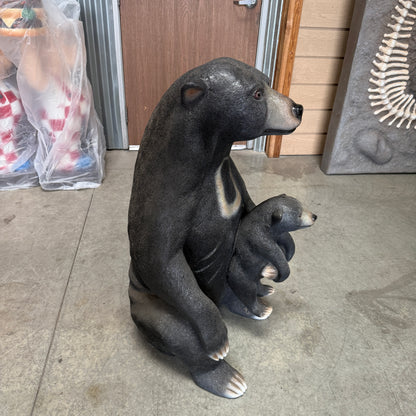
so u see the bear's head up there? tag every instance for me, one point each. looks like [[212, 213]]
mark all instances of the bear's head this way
[[289, 215], [235, 102]]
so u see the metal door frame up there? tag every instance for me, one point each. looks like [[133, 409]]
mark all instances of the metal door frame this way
[[267, 44]]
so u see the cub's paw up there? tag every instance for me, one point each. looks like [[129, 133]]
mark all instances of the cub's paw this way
[[269, 272], [259, 311], [223, 380], [235, 305], [264, 290]]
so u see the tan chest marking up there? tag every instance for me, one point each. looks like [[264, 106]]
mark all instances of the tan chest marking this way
[[227, 209]]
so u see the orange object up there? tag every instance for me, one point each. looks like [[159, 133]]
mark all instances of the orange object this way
[[19, 22]]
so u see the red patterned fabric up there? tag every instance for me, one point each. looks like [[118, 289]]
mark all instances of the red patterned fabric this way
[[11, 111], [63, 117]]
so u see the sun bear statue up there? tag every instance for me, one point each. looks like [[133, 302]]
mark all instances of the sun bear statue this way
[[188, 200]]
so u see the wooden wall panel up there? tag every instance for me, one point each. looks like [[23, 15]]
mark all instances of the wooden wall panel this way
[[318, 62], [312, 144], [327, 14], [314, 122], [323, 43], [314, 97], [316, 70]]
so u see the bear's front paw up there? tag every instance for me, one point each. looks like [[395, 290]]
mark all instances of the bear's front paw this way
[[221, 353], [261, 310], [216, 343]]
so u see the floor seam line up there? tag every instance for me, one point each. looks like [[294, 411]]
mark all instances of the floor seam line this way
[[61, 306]]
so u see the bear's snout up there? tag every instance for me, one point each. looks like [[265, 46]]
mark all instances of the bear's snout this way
[[283, 115], [297, 111]]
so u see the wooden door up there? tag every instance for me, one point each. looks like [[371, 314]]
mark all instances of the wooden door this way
[[162, 39]]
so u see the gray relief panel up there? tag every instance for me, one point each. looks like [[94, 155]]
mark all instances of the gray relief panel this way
[[373, 126]]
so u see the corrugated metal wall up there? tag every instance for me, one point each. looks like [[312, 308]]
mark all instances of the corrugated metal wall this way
[[105, 72]]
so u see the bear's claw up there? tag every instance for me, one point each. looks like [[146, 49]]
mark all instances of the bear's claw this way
[[265, 313], [269, 272], [264, 290], [236, 387], [222, 353]]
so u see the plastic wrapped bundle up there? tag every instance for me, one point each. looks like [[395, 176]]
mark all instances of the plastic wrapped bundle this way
[[49, 53], [18, 142]]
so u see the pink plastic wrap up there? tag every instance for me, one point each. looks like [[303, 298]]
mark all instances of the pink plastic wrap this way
[[44, 40]]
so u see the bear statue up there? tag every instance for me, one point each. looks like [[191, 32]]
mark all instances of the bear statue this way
[[187, 202], [263, 248]]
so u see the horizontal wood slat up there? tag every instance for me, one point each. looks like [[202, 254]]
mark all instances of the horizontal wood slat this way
[[303, 144], [321, 43], [314, 121], [316, 70], [327, 13], [314, 97]]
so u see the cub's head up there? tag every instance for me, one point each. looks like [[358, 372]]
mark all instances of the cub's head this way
[[289, 215], [234, 101]]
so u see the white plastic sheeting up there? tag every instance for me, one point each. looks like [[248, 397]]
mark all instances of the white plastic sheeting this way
[[44, 41]]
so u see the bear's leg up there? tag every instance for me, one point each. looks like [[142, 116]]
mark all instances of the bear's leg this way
[[176, 285], [246, 291], [170, 333]]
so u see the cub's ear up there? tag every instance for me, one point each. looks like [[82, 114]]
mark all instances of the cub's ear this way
[[277, 216], [191, 93]]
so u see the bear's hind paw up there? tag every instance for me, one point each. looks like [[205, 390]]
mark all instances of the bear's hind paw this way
[[223, 381]]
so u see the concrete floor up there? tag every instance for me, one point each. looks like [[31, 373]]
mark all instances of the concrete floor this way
[[341, 339]]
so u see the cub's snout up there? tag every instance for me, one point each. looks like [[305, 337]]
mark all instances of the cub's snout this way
[[308, 219]]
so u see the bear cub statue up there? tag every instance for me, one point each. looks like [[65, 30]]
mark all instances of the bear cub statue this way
[[263, 248], [186, 205]]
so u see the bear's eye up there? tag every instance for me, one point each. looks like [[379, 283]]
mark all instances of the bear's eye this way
[[258, 94]]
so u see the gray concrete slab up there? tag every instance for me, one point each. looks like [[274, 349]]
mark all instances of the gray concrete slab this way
[[39, 236], [339, 342]]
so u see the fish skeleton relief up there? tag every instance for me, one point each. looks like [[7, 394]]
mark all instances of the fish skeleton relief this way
[[392, 94]]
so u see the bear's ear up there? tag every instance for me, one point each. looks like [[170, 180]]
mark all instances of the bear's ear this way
[[191, 93], [277, 216]]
